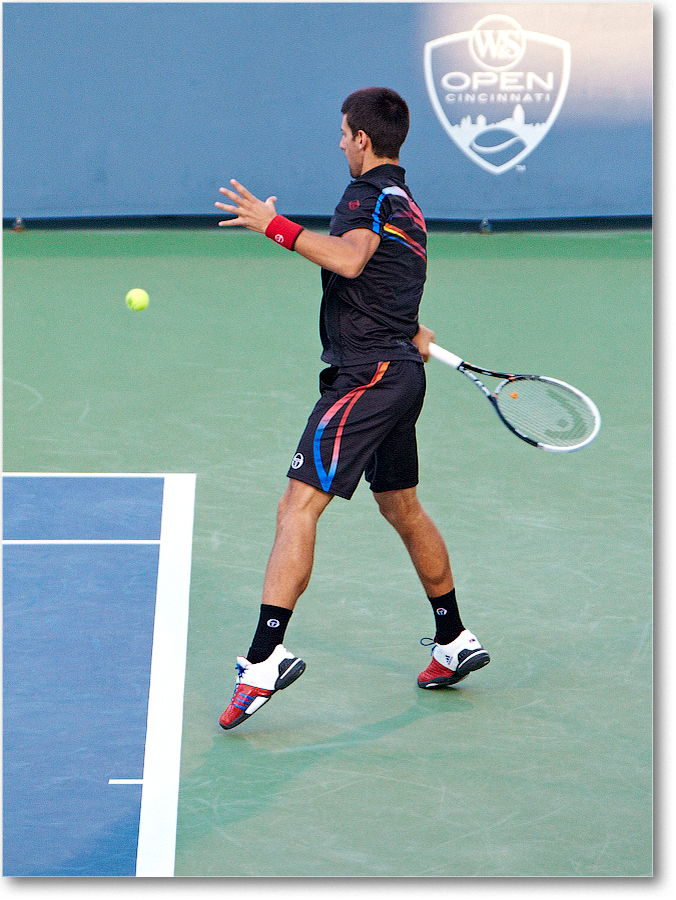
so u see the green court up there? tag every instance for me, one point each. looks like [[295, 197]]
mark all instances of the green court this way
[[538, 765]]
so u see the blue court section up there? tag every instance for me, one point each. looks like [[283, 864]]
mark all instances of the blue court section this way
[[80, 572], [82, 508]]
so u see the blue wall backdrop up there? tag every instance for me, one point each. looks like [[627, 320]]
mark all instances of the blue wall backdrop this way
[[146, 109]]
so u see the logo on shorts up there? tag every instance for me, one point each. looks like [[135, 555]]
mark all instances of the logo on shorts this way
[[273, 623], [297, 461], [497, 89]]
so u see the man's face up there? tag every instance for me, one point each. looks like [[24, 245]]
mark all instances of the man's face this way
[[351, 146]]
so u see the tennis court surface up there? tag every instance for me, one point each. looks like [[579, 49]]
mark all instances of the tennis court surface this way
[[539, 765], [96, 574]]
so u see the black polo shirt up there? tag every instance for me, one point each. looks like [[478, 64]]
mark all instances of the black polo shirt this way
[[374, 316]]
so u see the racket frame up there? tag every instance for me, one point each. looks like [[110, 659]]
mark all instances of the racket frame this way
[[456, 362]]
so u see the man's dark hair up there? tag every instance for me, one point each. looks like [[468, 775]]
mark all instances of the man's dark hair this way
[[381, 114]]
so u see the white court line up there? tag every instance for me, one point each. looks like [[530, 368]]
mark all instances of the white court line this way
[[83, 475], [161, 766], [83, 541]]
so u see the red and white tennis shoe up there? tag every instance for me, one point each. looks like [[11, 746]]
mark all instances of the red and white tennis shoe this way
[[453, 662], [257, 682]]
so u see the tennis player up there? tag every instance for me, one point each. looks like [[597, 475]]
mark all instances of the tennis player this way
[[373, 269]]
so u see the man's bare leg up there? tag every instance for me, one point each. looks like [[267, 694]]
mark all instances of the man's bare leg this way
[[269, 666], [292, 556], [421, 537], [456, 651]]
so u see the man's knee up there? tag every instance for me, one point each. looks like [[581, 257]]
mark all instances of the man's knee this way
[[400, 508], [301, 498]]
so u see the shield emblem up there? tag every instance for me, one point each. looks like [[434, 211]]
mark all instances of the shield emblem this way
[[497, 89]]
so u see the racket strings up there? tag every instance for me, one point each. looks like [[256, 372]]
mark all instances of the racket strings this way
[[546, 412]]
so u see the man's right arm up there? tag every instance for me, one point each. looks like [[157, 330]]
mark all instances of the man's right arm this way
[[346, 255]]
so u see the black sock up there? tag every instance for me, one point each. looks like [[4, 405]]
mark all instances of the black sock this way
[[270, 632], [447, 618]]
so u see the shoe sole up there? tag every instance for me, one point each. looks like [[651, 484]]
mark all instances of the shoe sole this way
[[293, 670], [470, 664]]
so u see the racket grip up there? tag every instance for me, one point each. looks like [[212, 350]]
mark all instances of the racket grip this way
[[445, 356]]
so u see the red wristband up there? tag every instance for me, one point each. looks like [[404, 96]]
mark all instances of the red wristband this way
[[284, 231]]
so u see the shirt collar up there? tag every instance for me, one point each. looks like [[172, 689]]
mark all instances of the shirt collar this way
[[390, 169]]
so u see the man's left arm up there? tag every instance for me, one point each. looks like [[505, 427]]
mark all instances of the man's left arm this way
[[346, 255]]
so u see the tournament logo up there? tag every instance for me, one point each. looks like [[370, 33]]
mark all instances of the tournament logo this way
[[497, 89]]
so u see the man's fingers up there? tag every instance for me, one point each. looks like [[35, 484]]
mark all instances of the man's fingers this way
[[230, 194], [247, 208], [242, 190]]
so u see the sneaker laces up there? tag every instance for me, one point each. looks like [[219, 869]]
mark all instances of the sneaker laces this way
[[430, 643]]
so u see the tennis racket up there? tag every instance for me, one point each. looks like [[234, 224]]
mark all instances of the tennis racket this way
[[544, 412]]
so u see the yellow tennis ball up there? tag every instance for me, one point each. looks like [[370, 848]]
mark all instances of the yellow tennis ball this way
[[137, 299]]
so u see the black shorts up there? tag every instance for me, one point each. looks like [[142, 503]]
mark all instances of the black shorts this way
[[363, 424]]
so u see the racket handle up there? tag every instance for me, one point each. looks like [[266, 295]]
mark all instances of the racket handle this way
[[445, 356]]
